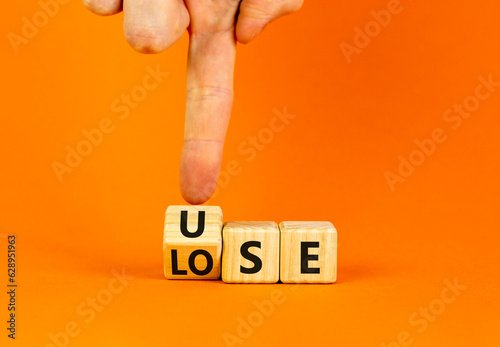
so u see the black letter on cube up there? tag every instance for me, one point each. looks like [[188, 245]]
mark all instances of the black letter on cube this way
[[305, 257], [192, 265], [175, 268], [201, 225], [245, 253]]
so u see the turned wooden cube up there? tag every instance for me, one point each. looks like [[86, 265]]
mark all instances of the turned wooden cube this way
[[250, 252], [192, 242], [308, 252]]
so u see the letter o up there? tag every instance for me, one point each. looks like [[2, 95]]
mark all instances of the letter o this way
[[192, 265], [259, 319], [375, 25], [102, 300], [44, 19], [436, 310], [471, 103], [269, 135], [139, 93], [84, 148], [417, 158]]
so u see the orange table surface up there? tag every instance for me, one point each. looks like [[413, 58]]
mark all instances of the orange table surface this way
[[417, 219]]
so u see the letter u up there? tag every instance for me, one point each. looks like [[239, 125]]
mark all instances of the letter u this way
[[201, 225]]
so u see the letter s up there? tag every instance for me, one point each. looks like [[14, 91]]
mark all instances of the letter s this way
[[245, 253]]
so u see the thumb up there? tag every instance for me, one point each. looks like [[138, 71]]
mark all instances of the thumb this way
[[208, 108], [255, 15]]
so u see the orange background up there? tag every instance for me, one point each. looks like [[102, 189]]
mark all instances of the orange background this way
[[353, 121]]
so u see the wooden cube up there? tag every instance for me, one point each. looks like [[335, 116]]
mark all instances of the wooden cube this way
[[192, 242], [308, 252], [250, 252]]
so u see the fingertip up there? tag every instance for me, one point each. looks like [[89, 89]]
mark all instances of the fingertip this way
[[194, 193], [194, 197], [199, 171]]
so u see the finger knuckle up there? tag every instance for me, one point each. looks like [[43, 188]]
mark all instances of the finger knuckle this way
[[206, 92]]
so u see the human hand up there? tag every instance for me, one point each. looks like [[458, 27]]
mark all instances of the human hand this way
[[214, 27]]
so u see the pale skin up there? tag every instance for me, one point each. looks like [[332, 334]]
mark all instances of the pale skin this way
[[214, 26]]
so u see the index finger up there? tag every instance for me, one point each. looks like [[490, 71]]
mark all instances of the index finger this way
[[208, 109]]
